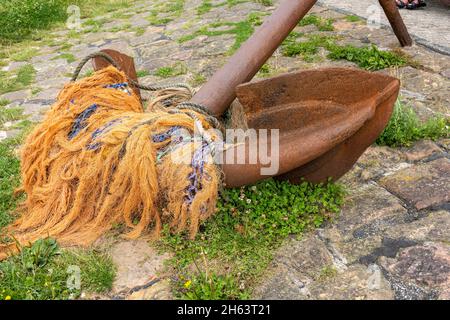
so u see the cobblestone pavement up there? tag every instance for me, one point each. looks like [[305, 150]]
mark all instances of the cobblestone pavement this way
[[392, 238], [429, 26]]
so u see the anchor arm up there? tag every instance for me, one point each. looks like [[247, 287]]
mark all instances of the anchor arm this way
[[396, 21]]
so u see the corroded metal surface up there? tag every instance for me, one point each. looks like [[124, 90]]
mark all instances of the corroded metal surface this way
[[396, 21], [218, 93], [327, 118], [125, 62]]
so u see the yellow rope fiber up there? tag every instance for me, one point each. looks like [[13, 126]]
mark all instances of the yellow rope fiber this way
[[79, 184]]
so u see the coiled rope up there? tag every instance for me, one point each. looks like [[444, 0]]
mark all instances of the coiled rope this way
[[98, 160], [183, 105]]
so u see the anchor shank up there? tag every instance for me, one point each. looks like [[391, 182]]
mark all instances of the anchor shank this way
[[218, 93]]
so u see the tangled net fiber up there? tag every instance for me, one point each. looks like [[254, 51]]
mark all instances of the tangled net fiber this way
[[98, 160]]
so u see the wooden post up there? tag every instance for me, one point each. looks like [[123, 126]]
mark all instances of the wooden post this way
[[396, 21]]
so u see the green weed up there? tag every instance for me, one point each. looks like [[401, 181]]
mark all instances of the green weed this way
[[327, 272], [24, 55], [94, 24], [35, 90], [249, 224], [66, 56], [198, 79], [266, 3], [9, 180], [241, 30], [4, 102], [123, 27], [171, 9], [16, 80], [142, 73], [211, 287], [88, 73], [266, 70], [20, 18], [139, 31], [369, 58], [156, 21], [306, 49], [404, 127], [171, 71], [204, 7], [23, 19], [10, 114], [43, 272], [322, 24], [353, 18]]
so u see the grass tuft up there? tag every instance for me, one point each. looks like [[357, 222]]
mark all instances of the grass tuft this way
[[43, 272], [171, 9], [353, 18], [9, 180], [369, 58], [171, 71], [326, 273], [4, 102], [322, 24], [10, 114], [197, 79], [22, 20], [204, 7], [24, 55], [16, 80], [66, 56], [139, 31], [404, 127], [211, 287], [142, 73], [306, 49], [241, 30], [267, 3]]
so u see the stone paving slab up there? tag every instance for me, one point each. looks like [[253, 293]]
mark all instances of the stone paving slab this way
[[426, 265], [423, 150], [429, 26], [422, 186], [137, 265]]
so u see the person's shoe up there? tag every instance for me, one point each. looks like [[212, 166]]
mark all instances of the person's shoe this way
[[414, 5]]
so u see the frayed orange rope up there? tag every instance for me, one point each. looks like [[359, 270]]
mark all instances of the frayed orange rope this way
[[78, 184]]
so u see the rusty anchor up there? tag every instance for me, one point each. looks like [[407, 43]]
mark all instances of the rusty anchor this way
[[326, 117]]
